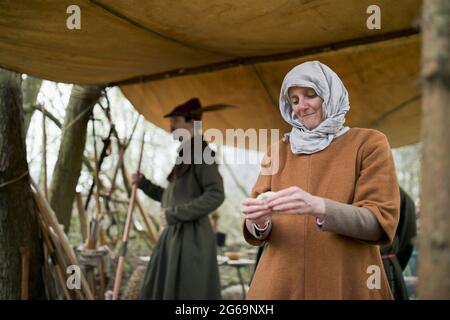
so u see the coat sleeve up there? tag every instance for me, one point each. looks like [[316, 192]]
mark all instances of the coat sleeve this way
[[153, 191], [211, 198], [376, 187], [350, 221], [263, 184]]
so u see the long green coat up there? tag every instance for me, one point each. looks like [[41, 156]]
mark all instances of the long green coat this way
[[183, 264]]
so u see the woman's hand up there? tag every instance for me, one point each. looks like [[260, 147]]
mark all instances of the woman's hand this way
[[257, 211], [294, 200]]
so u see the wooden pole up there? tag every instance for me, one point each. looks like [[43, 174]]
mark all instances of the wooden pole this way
[[434, 236], [60, 276], [152, 228], [56, 258], [49, 217], [121, 262], [25, 259]]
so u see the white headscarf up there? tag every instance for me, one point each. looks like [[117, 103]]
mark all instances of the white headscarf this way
[[330, 88]]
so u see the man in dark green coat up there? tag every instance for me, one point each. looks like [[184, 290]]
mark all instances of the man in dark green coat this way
[[183, 264]]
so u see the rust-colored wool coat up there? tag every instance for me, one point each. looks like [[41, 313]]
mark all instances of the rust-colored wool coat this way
[[302, 262]]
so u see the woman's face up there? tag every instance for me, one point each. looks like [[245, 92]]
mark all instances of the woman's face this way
[[306, 105]]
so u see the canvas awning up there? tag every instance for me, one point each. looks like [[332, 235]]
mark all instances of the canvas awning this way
[[161, 53]]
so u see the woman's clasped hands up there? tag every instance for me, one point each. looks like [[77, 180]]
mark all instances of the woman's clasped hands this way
[[292, 200]]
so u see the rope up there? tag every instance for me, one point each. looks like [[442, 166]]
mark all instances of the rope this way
[[7, 183]]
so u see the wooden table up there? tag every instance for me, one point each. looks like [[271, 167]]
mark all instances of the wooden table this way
[[238, 264]]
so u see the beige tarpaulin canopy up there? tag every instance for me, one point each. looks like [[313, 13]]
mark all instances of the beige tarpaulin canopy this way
[[163, 52]]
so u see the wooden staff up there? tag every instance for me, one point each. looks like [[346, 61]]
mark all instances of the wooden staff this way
[[153, 227], [60, 276], [50, 219], [57, 260], [25, 259], [126, 232]]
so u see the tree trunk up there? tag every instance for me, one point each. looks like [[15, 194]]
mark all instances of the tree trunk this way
[[68, 166], [18, 220], [434, 262], [30, 90]]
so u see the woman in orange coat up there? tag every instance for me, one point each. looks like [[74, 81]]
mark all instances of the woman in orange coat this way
[[334, 199]]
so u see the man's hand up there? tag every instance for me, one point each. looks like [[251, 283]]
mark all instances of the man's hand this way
[[136, 178]]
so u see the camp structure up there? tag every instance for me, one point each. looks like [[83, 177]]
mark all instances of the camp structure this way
[[233, 52]]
